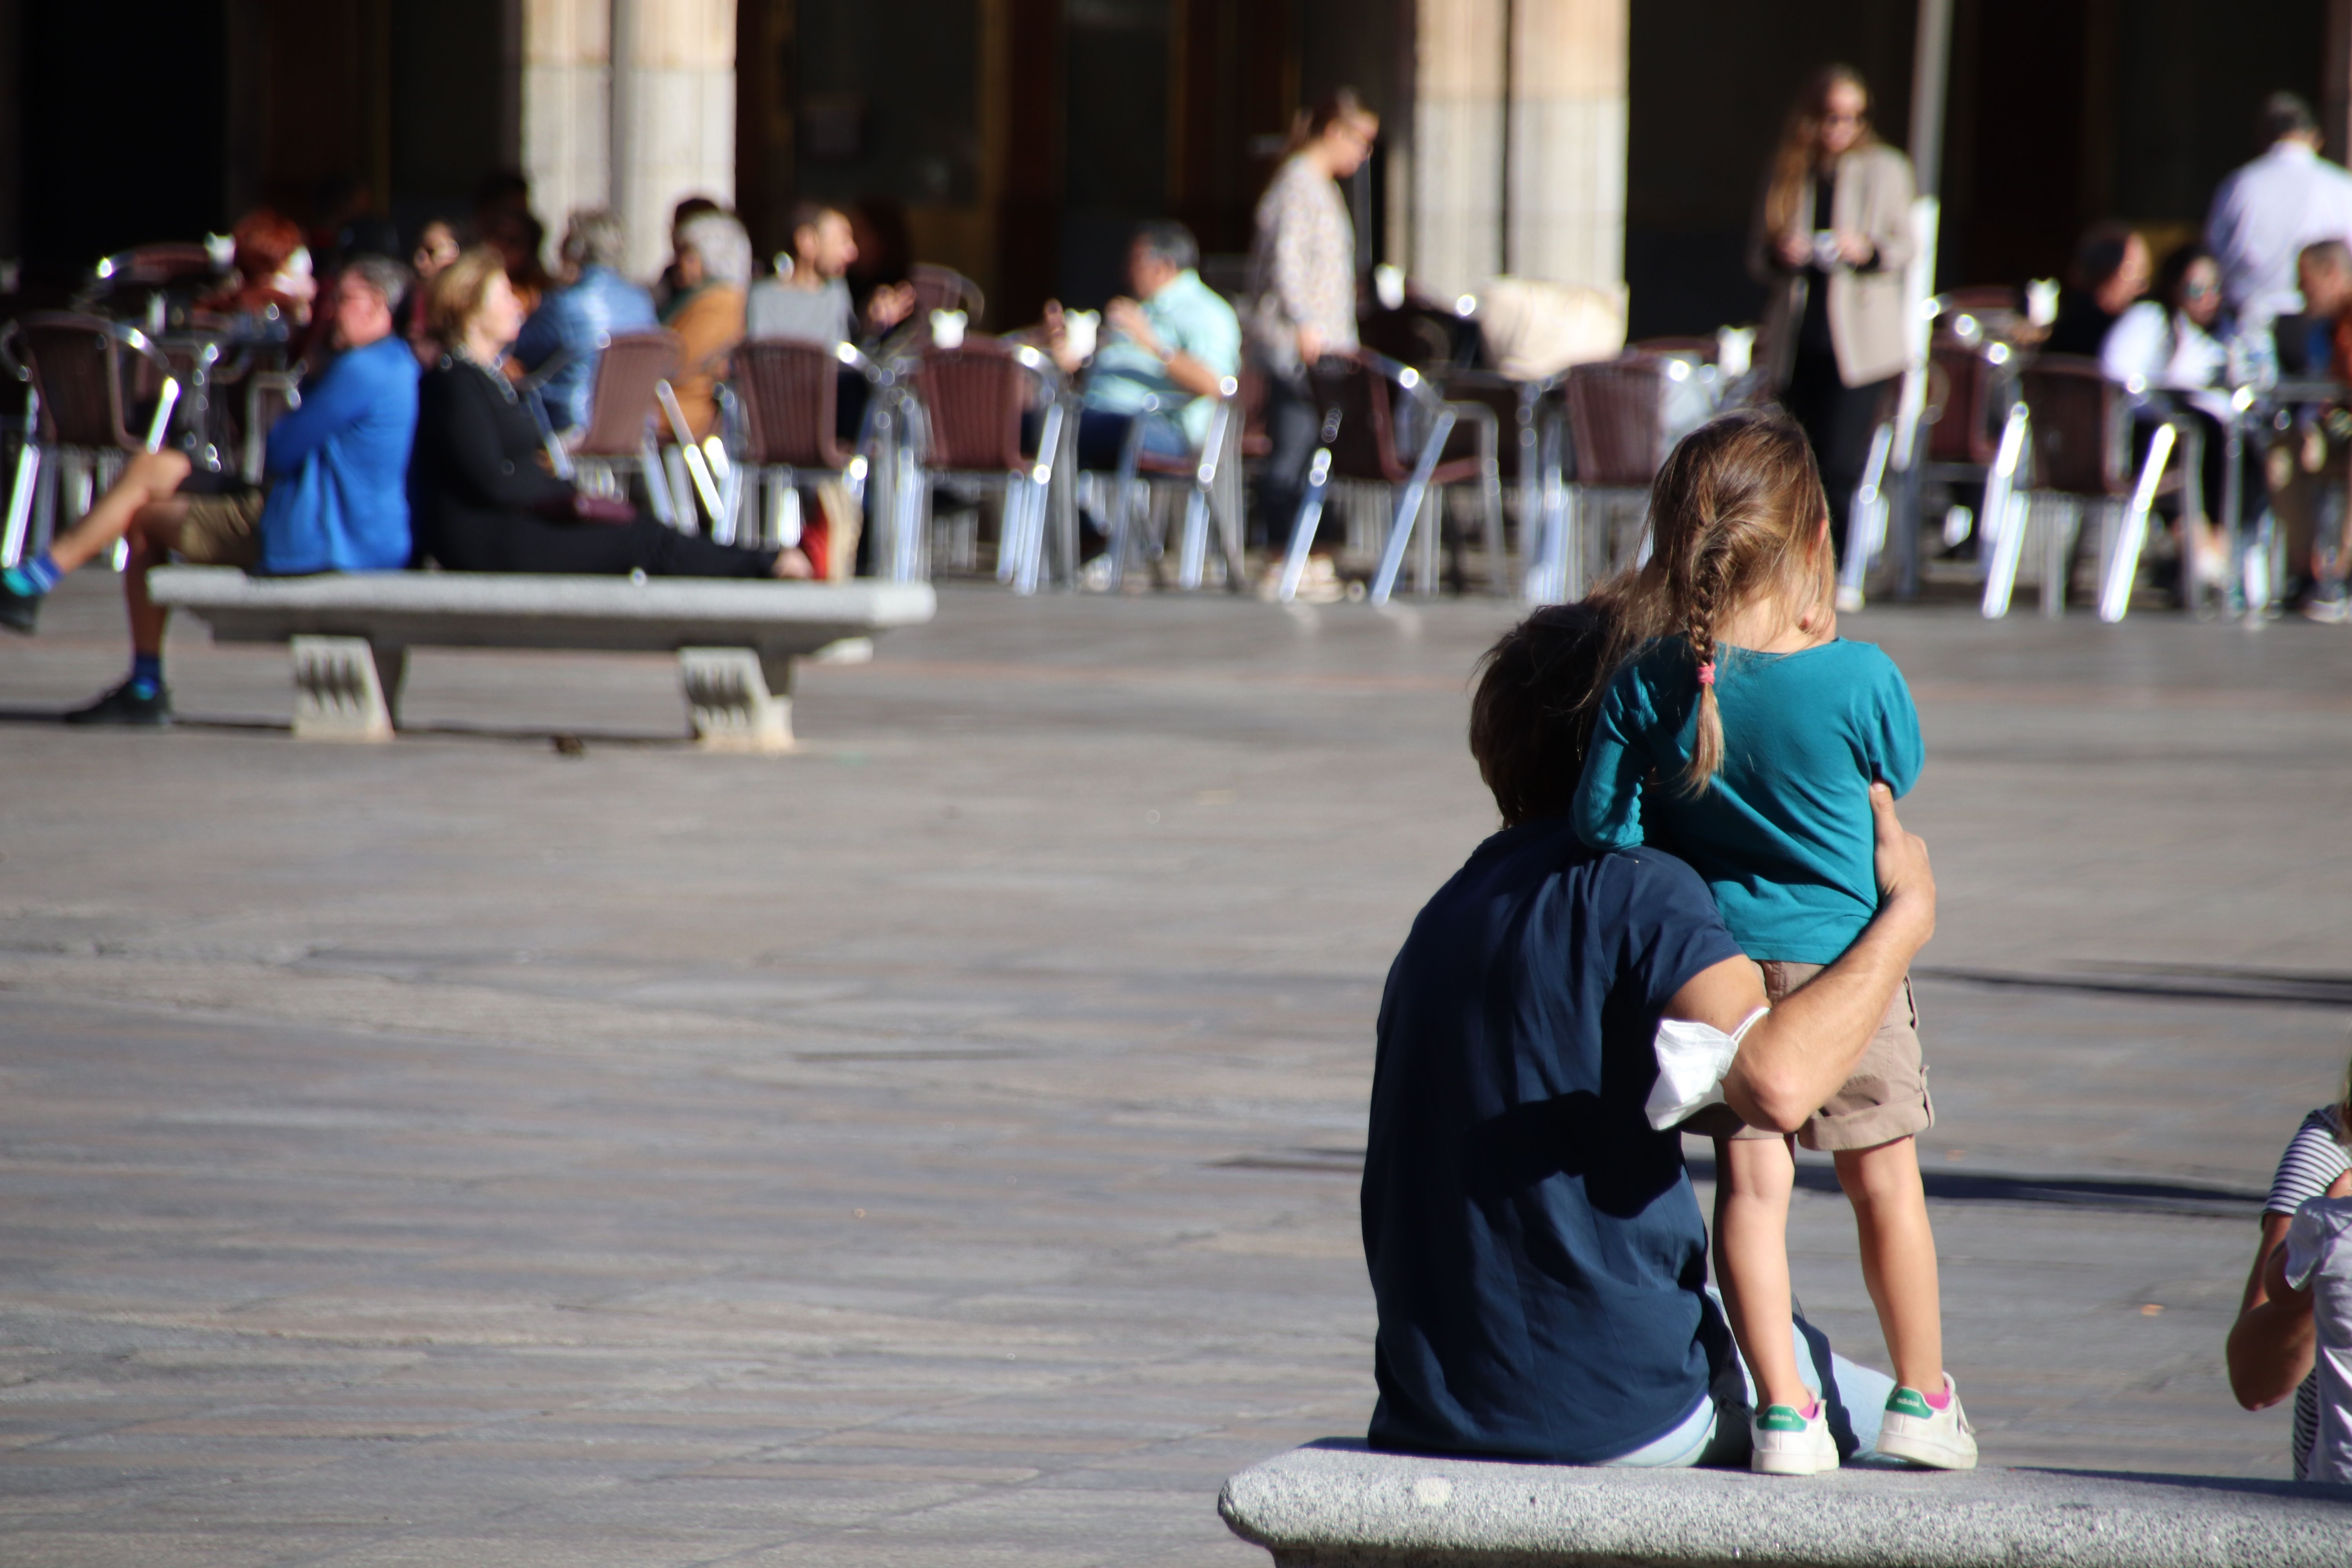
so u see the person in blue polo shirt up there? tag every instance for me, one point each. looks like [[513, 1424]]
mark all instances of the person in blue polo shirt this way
[[1537, 1253], [337, 499]]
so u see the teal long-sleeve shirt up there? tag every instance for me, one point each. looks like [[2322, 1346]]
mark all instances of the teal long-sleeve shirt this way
[[1783, 835]]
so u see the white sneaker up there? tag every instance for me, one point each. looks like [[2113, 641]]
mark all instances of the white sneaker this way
[[1787, 1443], [1916, 1430]]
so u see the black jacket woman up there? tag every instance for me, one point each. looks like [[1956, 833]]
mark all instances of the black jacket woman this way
[[482, 500]]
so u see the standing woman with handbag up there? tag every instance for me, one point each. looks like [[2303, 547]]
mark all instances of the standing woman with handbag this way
[[481, 499], [1831, 239]]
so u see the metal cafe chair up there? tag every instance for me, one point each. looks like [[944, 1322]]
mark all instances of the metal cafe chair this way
[[1209, 481], [967, 404], [1536, 419], [1376, 411], [269, 396], [1616, 417], [787, 395], [2067, 445], [632, 370], [83, 375]]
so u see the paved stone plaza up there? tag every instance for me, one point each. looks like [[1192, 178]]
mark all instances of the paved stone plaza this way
[[938, 1147]]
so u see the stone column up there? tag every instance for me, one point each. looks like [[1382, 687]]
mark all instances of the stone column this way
[[673, 115], [567, 86], [1567, 195], [1457, 143]]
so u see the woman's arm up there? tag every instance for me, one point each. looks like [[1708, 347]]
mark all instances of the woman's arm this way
[[1887, 221], [2271, 1346]]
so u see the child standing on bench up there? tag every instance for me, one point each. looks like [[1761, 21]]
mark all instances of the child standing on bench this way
[[1743, 733]]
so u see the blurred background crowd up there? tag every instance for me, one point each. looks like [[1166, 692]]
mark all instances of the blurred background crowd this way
[[1216, 229]]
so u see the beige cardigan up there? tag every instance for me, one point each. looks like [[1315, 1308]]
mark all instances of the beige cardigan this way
[[1873, 197]]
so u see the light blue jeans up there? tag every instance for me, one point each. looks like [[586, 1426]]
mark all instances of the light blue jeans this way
[[1716, 1431]]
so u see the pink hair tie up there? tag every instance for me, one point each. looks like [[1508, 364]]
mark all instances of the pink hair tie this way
[[1706, 673]]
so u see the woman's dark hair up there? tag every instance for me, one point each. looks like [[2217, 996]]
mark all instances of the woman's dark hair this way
[[1800, 134], [1538, 689], [2099, 255], [1340, 104], [2174, 273]]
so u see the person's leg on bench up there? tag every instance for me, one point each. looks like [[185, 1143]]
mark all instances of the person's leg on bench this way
[[152, 480]]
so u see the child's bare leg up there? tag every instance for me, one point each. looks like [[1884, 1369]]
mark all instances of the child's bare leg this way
[[1753, 1177], [1898, 1257]]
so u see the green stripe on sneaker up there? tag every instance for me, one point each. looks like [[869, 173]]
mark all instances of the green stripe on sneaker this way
[[1779, 1418], [1910, 1402]]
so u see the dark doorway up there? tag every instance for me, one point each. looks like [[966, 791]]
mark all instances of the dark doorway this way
[[123, 142]]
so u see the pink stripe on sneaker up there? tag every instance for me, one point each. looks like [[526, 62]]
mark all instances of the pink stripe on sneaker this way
[[1941, 1399]]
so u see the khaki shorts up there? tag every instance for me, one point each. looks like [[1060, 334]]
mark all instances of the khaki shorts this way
[[222, 530], [1885, 1098]]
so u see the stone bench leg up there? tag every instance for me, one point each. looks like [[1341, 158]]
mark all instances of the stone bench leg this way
[[738, 700], [346, 689]]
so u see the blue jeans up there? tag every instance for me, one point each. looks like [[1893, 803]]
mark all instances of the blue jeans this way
[[1716, 1431], [1102, 435]]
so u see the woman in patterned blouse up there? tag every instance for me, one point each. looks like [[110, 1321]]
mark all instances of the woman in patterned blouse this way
[[1303, 273]]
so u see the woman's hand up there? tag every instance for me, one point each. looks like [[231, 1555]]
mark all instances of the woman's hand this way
[[1795, 250], [1310, 346], [1855, 249]]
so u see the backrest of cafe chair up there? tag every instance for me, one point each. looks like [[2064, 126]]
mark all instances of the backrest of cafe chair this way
[[790, 393], [628, 369]]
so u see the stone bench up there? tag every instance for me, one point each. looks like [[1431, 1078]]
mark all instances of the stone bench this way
[[1335, 1505], [736, 640]]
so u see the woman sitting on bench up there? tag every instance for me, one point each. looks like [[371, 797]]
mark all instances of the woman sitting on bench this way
[[482, 499]]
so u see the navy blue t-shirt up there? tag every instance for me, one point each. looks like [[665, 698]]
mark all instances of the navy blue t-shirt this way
[[1536, 1250]]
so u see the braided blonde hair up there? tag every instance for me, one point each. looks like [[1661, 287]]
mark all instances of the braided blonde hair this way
[[1736, 513]]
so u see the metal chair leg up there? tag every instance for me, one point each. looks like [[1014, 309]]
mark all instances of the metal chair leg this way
[[1429, 533], [1865, 529], [2002, 530], [2062, 524], [2115, 592], [1490, 496], [1122, 504], [1302, 531], [20, 504], [1193, 553], [1408, 510]]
